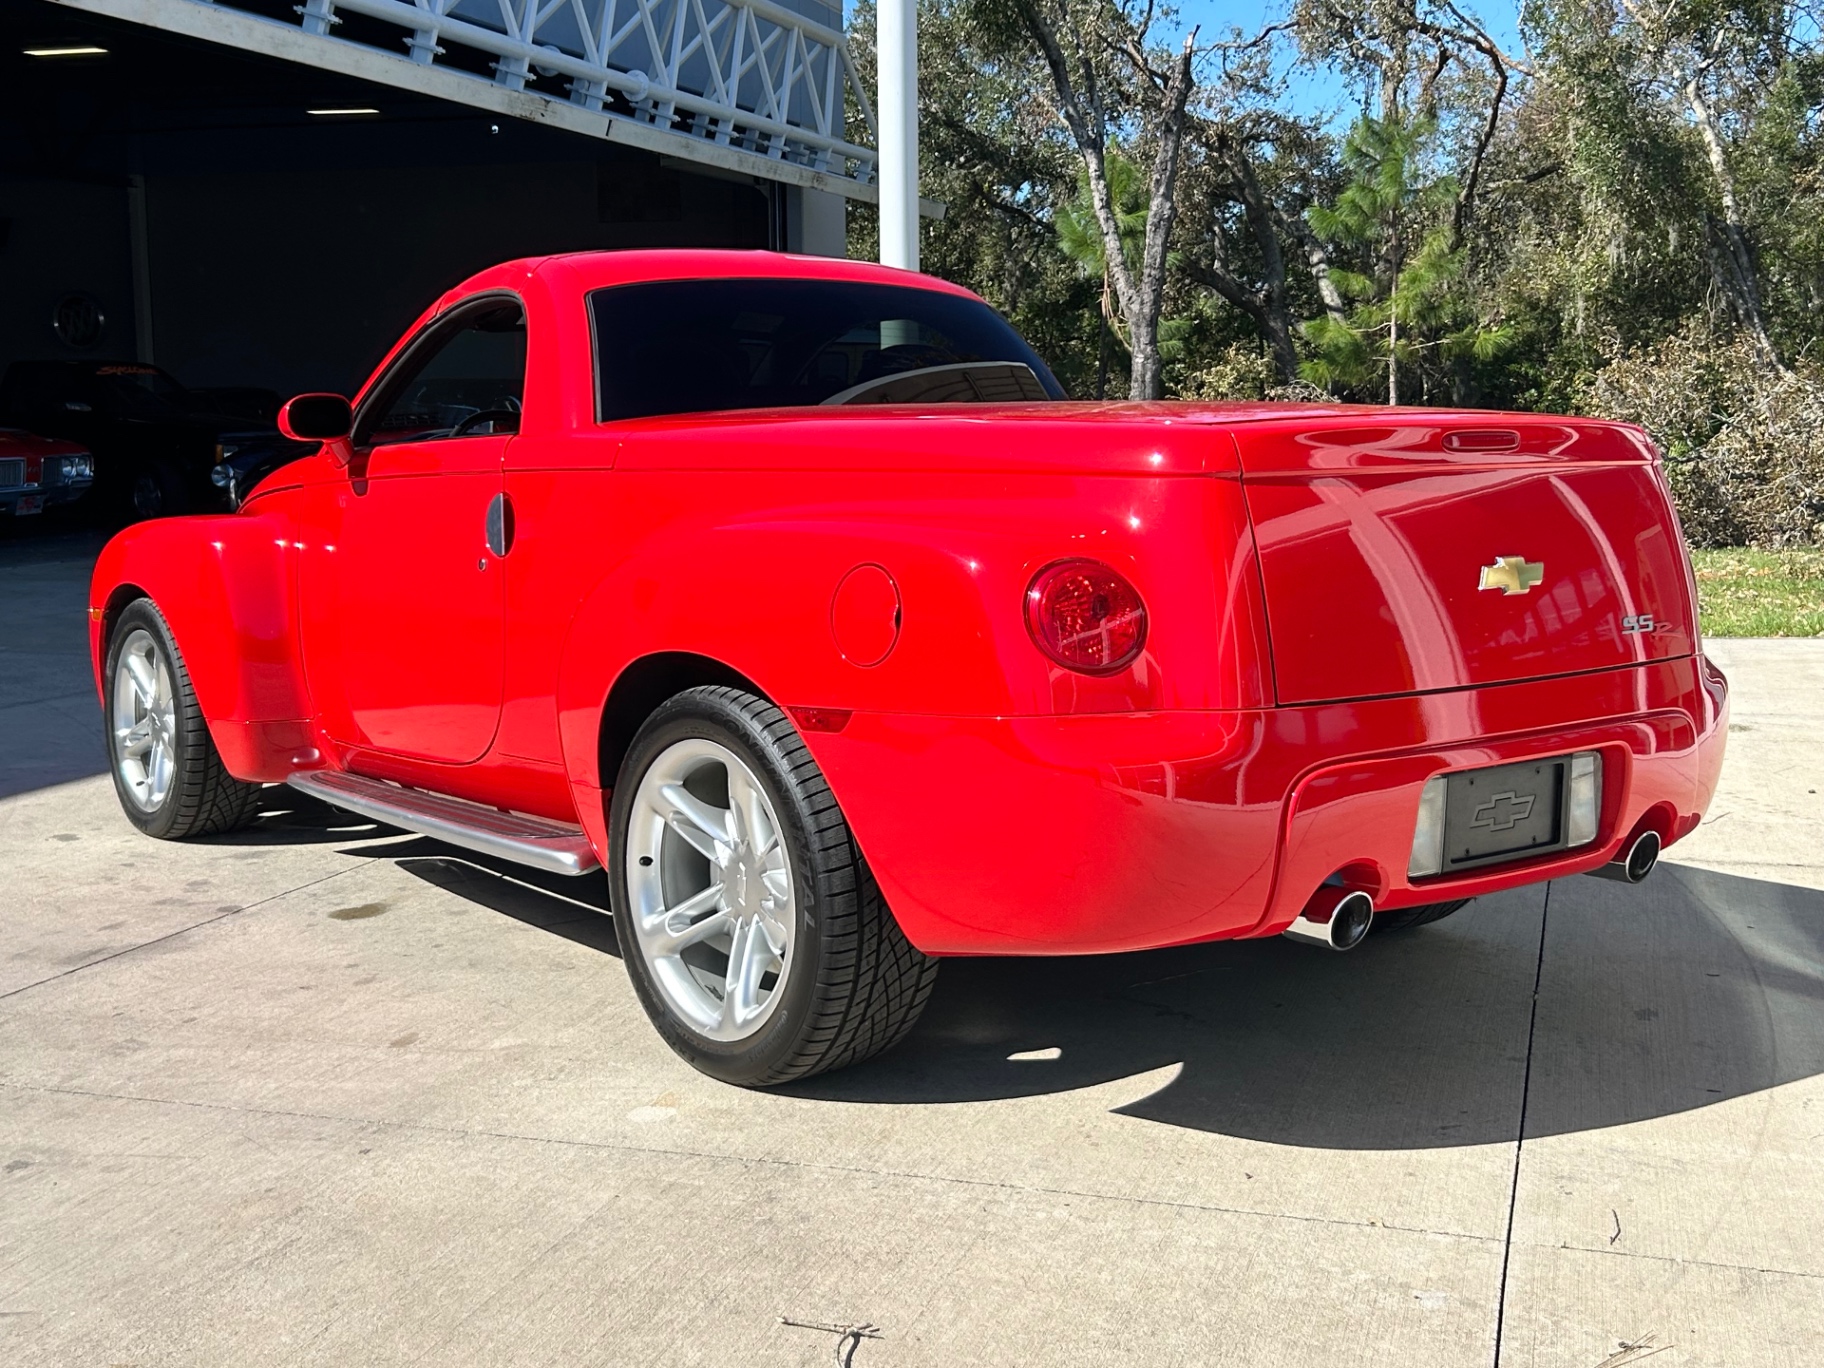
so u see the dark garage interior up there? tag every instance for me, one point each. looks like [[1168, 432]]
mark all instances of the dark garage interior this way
[[172, 201]]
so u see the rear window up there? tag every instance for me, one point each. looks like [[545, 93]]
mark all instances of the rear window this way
[[699, 346]]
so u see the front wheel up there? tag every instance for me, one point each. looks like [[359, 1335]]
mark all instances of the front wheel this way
[[167, 773], [755, 936], [157, 492]]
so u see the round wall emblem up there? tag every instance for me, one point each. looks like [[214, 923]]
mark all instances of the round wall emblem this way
[[78, 321]]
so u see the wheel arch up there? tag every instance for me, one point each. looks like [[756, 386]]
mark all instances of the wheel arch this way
[[103, 617], [643, 686], [117, 602], [224, 587]]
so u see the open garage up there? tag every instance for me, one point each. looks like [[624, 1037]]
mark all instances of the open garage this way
[[243, 204]]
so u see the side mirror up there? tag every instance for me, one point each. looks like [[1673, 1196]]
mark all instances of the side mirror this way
[[316, 418]]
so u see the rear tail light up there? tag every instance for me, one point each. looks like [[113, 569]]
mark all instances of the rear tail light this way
[[1086, 617]]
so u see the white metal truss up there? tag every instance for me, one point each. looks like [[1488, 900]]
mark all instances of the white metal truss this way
[[747, 74], [755, 81]]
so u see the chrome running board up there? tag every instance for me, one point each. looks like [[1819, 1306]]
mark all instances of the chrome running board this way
[[556, 847]]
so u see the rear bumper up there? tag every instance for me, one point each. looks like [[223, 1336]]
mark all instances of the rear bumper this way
[[1085, 834]]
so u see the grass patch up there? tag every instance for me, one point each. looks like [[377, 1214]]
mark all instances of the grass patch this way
[[1747, 593]]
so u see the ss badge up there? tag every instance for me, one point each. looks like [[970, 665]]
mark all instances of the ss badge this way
[[1637, 623]]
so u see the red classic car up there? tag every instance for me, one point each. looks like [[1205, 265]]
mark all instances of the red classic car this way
[[37, 473], [789, 591]]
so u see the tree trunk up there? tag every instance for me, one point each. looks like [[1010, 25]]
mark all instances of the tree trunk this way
[[1317, 257], [1278, 329], [1732, 256], [1148, 381], [1393, 340], [1102, 346], [1141, 296], [1138, 295], [1142, 333], [1273, 319], [1275, 315]]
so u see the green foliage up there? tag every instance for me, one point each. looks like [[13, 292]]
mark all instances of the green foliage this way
[[1744, 444], [1410, 312], [992, 151], [1080, 236], [1567, 257], [1387, 190]]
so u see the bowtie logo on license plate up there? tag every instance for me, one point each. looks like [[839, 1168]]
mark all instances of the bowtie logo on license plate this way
[[1512, 574], [1503, 812]]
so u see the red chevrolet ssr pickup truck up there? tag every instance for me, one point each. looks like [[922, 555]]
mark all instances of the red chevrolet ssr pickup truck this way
[[792, 593]]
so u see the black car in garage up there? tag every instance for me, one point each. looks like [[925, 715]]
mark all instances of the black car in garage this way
[[155, 443]]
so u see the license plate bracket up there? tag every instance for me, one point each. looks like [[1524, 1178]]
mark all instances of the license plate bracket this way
[[1504, 813]]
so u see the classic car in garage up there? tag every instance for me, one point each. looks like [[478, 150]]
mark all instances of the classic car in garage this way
[[154, 443], [791, 592], [37, 473]]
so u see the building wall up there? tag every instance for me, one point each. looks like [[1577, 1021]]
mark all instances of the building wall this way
[[817, 223], [63, 237], [302, 279]]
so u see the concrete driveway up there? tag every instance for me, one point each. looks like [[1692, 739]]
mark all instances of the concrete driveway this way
[[324, 1093]]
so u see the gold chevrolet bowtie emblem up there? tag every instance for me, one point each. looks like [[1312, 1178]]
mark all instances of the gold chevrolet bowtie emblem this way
[[1512, 574]]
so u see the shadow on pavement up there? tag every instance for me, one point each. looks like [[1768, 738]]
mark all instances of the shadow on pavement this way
[[50, 742], [1694, 988], [1688, 990], [578, 913], [574, 908], [290, 818], [49, 718]]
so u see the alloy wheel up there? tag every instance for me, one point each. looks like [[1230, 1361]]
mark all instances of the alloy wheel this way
[[709, 885], [144, 721]]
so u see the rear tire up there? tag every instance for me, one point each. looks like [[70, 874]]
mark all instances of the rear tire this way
[[167, 773], [1406, 918], [754, 934]]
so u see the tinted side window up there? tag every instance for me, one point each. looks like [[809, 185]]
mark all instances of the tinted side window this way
[[694, 346], [466, 378]]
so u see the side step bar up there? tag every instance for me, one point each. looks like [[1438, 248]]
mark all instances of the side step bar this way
[[555, 847]]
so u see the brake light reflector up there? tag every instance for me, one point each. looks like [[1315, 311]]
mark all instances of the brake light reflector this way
[[823, 719], [1428, 831], [1086, 617], [1584, 802]]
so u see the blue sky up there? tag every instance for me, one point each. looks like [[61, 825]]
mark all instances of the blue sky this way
[[1320, 92]]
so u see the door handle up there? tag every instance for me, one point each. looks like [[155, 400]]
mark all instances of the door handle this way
[[500, 525]]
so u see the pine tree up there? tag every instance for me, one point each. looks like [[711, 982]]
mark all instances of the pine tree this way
[[1406, 302]]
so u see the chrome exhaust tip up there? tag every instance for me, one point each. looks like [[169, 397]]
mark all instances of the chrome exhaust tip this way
[[1335, 918], [1635, 863]]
